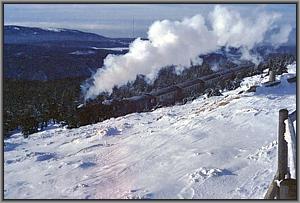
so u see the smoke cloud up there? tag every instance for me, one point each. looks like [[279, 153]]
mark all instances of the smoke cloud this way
[[282, 36], [180, 42]]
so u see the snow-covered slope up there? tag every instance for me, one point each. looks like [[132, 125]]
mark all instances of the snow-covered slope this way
[[220, 147]]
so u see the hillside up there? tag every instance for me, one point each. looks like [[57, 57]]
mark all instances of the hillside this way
[[23, 35], [36, 62], [50, 54], [219, 147]]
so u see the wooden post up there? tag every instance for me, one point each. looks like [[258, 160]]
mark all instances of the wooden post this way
[[288, 189], [273, 191], [282, 145], [271, 76]]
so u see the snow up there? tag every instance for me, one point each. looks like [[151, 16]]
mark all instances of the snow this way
[[79, 106], [216, 148], [54, 29], [113, 49], [290, 138], [82, 52]]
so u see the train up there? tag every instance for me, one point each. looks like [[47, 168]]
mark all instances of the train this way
[[179, 93]]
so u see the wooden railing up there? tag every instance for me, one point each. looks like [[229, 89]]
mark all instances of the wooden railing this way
[[284, 184]]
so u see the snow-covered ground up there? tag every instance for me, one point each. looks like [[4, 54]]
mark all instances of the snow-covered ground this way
[[220, 147]]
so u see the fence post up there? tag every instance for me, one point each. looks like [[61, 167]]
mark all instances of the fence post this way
[[282, 145], [273, 191], [288, 189]]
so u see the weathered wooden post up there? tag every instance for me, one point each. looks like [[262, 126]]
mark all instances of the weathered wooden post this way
[[288, 189], [282, 145], [273, 191], [271, 76], [288, 186]]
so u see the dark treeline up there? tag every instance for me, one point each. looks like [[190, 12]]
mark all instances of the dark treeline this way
[[31, 105]]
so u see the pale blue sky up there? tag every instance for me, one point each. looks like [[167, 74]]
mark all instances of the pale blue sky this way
[[116, 20]]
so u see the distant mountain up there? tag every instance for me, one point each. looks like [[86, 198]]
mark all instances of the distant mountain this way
[[48, 54], [25, 35], [32, 62]]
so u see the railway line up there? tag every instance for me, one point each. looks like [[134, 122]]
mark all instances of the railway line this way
[[179, 93]]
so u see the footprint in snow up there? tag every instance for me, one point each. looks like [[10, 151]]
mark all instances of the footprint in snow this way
[[85, 165], [265, 153], [43, 156], [127, 125], [10, 146], [205, 173], [254, 185], [198, 177], [112, 131]]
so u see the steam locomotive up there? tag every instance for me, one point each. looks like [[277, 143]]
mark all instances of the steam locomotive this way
[[171, 95]]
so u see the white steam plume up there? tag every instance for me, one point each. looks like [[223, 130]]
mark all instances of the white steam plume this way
[[246, 55], [178, 43], [282, 36], [233, 30]]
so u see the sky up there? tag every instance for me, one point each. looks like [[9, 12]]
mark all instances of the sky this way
[[123, 20]]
